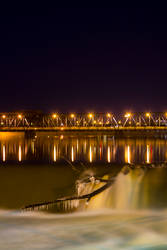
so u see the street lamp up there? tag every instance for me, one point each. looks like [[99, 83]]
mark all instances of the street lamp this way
[[72, 116], [54, 116], [91, 120], [90, 115], [19, 116], [149, 116], [127, 115]]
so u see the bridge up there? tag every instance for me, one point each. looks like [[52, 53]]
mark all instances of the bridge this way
[[82, 121]]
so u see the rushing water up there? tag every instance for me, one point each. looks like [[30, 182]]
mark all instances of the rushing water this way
[[112, 192]]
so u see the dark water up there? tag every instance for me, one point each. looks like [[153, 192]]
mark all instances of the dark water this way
[[121, 185]]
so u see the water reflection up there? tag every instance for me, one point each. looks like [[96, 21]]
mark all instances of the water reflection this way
[[90, 154], [127, 154], [108, 155], [54, 154], [148, 154], [72, 153], [53, 147], [4, 154], [20, 154]]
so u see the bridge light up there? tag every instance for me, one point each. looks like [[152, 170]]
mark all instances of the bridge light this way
[[148, 114], [19, 116], [119, 122], [54, 116], [94, 122], [90, 115], [72, 115], [4, 116], [127, 115], [108, 115]]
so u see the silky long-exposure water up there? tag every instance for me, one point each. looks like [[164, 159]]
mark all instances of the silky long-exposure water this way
[[82, 191]]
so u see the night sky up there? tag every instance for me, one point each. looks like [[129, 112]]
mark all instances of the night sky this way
[[83, 59]]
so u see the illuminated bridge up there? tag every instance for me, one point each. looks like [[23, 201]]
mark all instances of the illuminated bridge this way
[[24, 121]]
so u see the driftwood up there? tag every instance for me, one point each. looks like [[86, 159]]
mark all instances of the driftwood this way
[[107, 184]]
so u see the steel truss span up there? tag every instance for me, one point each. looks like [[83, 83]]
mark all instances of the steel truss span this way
[[83, 120]]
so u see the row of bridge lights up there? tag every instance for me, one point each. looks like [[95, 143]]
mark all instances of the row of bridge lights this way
[[128, 115], [109, 115], [90, 115], [19, 116]]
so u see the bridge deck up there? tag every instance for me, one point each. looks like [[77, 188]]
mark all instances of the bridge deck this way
[[147, 128]]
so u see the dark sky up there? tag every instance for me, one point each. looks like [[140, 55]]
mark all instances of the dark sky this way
[[82, 59]]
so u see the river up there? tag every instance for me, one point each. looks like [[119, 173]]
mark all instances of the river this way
[[80, 191]]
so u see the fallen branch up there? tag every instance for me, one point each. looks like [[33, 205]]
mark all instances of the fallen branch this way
[[82, 197]]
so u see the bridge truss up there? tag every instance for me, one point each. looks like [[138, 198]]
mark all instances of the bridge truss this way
[[33, 120]]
